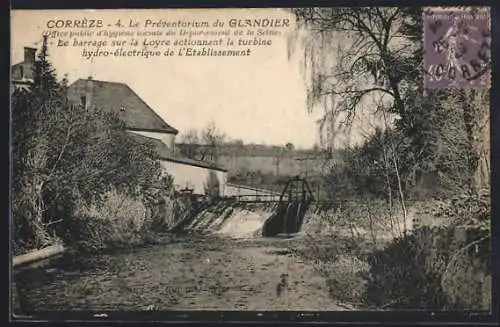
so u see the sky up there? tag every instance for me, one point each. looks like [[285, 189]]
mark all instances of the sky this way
[[259, 99]]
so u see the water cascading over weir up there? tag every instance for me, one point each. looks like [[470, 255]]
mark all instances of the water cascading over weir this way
[[291, 209], [250, 217]]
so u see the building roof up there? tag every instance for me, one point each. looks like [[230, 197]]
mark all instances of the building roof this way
[[120, 98], [166, 154]]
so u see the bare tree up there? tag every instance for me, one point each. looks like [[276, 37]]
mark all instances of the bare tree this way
[[190, 143], [212, 139], [203, 144], [376, 64]]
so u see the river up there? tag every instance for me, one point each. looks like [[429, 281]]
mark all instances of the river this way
[[184, 273]]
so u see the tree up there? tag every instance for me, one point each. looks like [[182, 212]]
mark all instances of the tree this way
[[239, 143], [212, 185], [204, 144], [42, 124], [213, 139], [374, 57], [377, 70], [62, 152], [190, 144], [375, 60]]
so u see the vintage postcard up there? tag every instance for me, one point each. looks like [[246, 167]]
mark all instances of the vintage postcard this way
[[254, 160]]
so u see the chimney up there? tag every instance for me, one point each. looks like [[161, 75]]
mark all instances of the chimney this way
[[88, 92], [29, 54]]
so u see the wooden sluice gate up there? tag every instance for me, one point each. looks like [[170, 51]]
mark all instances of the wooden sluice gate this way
[[291, 209]]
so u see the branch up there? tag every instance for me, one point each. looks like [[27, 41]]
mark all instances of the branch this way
[[455, 256], [66, 142], [363, 27], [360, 93]]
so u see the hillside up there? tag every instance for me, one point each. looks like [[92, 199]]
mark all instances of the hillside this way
[[255, 150], [252, 159], [265, 166]]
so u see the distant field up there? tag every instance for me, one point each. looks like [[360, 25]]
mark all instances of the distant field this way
[[257, 165], [262, 171], [270, 165]]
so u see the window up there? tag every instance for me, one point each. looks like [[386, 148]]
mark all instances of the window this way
[[21, 71], [83, 100]]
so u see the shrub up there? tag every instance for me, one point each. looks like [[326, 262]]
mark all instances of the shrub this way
[[114, 220], [66, 157], [398, 278], [436, 268], [212, 185]]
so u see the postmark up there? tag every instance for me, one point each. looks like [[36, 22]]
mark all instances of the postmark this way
[[457, 45]]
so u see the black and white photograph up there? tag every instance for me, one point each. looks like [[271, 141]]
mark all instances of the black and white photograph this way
[[250, 159]]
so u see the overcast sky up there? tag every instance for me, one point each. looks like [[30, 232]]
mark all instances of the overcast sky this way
[[258, 99]]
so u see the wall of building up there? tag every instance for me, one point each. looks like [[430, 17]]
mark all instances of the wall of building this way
[[167, 138], [192, 177]]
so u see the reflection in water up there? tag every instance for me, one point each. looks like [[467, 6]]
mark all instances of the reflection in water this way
[[193, 273]]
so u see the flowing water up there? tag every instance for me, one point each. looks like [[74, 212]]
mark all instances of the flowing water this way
[[222, 264], [193, 273]]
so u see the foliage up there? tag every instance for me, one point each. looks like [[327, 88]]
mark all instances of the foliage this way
[[443, 267], [64, 153], [121, 220], [423, 144], [398, 278], [432, 269], [115, 219]]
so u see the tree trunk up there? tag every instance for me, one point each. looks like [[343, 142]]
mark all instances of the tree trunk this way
[[476, 122], [35, 211]]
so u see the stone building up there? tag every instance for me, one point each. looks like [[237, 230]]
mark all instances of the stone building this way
[[141, 122]]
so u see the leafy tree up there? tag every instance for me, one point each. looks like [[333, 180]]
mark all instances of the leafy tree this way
[[62, 152]]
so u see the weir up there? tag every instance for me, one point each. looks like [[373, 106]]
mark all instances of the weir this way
[[253, 215], [291, 209]]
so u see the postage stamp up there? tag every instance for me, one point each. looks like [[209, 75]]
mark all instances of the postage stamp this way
[[457, 45]]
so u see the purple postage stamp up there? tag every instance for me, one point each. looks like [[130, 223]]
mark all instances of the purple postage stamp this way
[[457, 44]]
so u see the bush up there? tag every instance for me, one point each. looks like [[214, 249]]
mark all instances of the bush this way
[[66, 157], [115, 220], [432, 269], [370, 220], [398, 278]]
